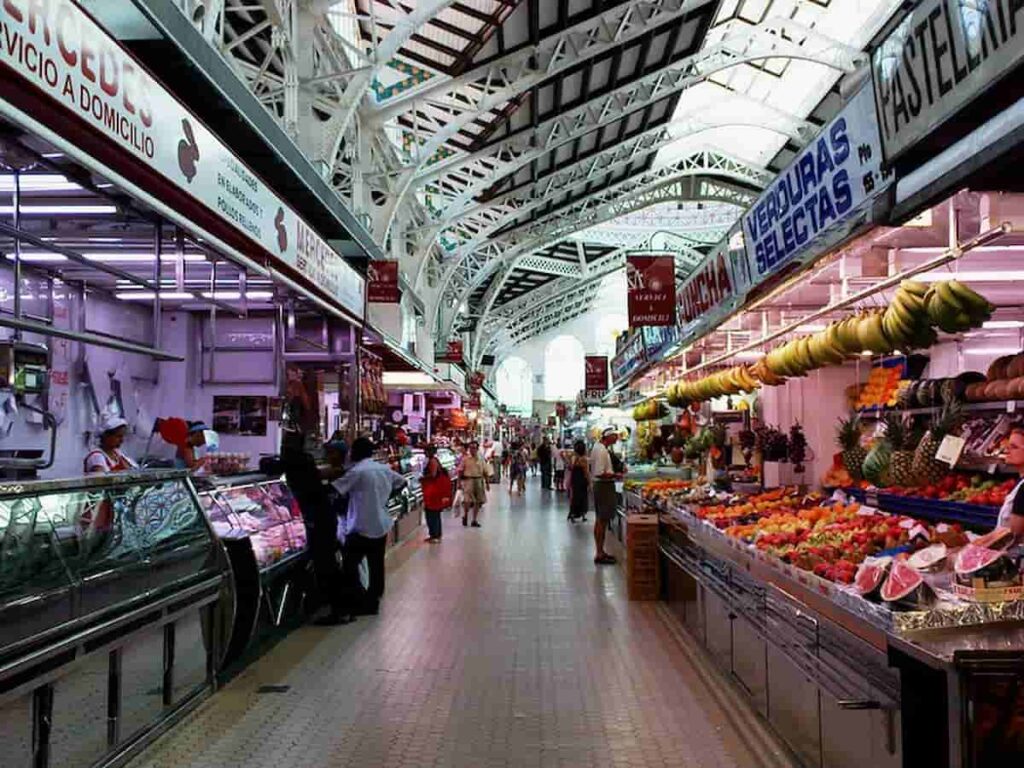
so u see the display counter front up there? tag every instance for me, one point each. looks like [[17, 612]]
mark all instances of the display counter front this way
[[111, 589], [847, 681]]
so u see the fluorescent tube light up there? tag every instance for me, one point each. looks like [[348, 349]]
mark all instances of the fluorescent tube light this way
[[996, 324], [749, 355], [236, 295], [38, 182], [811, 327], [150, 295], [975, 276], [992, 351], [407, 379], [60, 210]]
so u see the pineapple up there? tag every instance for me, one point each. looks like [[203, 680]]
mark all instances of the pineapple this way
[[902, 440], [927, 470], [854, 454]]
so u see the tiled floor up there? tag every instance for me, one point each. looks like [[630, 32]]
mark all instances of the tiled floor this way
[[503, 646]]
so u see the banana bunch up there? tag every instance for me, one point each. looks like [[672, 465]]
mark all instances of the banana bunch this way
[[906, 321], [954, 307], [648, 411], [759, 371], [728, 382]]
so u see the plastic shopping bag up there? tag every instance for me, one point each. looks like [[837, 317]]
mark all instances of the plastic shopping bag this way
[[457, 501]]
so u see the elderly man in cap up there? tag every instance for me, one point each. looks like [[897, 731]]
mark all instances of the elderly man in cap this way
[[602, 470]]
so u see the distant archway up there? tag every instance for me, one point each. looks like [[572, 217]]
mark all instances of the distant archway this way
[[563, 368], [513, 382]]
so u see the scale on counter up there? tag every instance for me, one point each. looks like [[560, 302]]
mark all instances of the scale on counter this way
[[25, 370]]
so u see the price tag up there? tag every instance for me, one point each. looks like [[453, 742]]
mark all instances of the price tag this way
[[871, 498], [919, 530], [950, 449], [867, 511], [1011, 406]]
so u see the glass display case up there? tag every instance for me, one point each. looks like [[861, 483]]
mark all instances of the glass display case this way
[[259, 508], [101, 575]]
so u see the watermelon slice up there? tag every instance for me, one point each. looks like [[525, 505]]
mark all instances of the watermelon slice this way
[[869, 578], [994, 539], [927, 558], [901, 582], [973, 558]]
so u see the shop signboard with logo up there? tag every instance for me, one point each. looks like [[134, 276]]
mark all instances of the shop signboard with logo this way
[[706, 296], [941, 57], [382, 285], [659, 339], [595, 376], [451, 352], [59, 50], [631, 358], [810, 204], [651, 289]]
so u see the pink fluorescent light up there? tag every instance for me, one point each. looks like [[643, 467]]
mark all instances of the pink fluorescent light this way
[[150, 295], [970, 276], [235, 295], [993, 351], [144, 258], [996, 324], [60, 210]]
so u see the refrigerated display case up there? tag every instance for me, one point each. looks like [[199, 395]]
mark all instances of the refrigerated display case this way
[[114, 595], [260, 525]]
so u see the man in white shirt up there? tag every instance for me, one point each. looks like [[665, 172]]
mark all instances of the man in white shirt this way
[[365, 527], [605, 496]]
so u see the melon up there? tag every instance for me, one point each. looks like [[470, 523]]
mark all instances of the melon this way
[[1016, 367], [1016, 388], [869, 578], [1000, 390], [973, 558], [994, 538], [927, 558], [997, 370], [975, 392], [902, 581]]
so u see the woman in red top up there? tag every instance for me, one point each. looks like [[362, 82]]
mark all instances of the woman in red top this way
[[437, 493]]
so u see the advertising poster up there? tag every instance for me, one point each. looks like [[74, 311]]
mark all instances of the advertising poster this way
[[254, 413], [651, 289], [824, 186], [227, 414], [382, 285], [450, 353]]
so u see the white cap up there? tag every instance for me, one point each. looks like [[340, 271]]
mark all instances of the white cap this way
[[110, 423], [608, 431]]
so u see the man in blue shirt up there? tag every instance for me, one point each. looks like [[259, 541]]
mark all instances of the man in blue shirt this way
[[366, 524]]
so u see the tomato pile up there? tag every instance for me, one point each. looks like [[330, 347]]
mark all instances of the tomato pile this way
[[962, 488]]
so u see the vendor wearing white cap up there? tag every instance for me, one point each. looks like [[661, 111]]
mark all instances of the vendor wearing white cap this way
[[108, 456], [602, 470], [191, 454]]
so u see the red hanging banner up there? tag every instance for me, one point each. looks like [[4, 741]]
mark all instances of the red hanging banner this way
[[651, 290], [595, 380], [382, 286]]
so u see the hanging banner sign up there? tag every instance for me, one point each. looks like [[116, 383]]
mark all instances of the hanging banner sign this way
[[58, 49], [822, 188], [651, 289], [382, 285], [705, 289], [940, 57], [595, 377]]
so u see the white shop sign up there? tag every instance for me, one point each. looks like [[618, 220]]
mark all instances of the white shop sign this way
[[939, 58], [57, 48], [826, 183]]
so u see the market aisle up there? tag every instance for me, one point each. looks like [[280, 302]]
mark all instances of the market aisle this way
[[503, 646]]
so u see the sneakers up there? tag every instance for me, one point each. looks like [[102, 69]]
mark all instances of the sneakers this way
[[474, 524], [465, 522], [605, 559]]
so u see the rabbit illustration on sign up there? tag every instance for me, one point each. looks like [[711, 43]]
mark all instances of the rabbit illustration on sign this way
[[282, 233], [188, 151]]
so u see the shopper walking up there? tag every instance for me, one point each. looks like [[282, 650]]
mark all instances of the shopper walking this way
[[517, 469], [533, 459], [559, 464], [579, 482], [474, 489], [437, 493], [602, 470], [365, 527], [545, 459]]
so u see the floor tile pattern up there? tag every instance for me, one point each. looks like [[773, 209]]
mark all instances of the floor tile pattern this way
[[503, 646]]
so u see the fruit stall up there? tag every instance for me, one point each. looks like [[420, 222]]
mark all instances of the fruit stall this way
[[856, 592]]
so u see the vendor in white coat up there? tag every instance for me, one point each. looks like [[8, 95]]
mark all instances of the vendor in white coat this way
[[108, 457], [1011, 515]]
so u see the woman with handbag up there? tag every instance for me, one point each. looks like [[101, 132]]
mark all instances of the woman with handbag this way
[[437, 493], [579, 482]]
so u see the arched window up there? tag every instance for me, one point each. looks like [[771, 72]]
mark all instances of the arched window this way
[[608, 327], [514, 384], [563, 368]]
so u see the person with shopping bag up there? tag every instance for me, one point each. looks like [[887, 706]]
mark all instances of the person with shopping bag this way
[[437, 493]]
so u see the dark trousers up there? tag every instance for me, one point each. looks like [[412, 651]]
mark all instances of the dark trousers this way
[[434, 523], [323, 549], [356, 548], [545, 476]]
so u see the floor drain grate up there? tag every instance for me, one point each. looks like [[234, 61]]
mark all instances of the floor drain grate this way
[[273, 689]]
